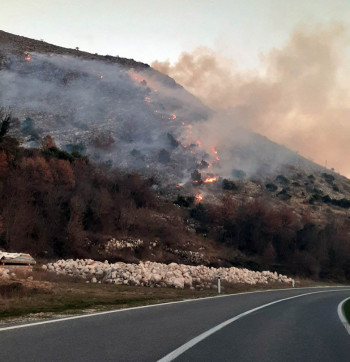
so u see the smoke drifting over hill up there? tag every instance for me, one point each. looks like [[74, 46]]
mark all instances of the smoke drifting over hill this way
[[118, 113], [299, 98], [138, 119]]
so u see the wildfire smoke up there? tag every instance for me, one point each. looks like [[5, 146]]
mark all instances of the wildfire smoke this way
[[298, 97]]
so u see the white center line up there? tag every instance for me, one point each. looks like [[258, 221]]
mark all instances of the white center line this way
[[177, 352]]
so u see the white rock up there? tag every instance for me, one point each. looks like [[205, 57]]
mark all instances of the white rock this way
[[160, 275]]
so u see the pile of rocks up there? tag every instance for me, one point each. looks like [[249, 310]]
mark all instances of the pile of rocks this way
[[113, 244], [154, 274]]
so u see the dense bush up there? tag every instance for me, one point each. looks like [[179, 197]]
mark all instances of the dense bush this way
[[282, 180], [229, 185], [271, 187], [184, 201]]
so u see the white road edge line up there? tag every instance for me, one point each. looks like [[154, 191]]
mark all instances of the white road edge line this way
[[177, 352], [341, 315], [152, 306]]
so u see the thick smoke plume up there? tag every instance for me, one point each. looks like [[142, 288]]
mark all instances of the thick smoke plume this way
[[299, 97]]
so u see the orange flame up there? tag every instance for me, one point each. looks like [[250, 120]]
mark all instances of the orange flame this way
[[199, 197], [173, 116], [147, 99], [214, 150], [210, 180], [199, 143], [27, 56], [136, 77], [139, 78]]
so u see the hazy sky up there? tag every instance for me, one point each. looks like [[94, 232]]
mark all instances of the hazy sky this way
[[162, 29]]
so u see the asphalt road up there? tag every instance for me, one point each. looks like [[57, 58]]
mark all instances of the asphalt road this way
[[306, 328]]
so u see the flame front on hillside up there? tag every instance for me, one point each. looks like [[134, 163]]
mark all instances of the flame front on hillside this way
[[27, 56], [214, 150], [199, 197], [210, 180]]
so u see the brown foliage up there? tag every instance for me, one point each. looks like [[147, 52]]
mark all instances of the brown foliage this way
[[3, 163], [103, 141], [278, 237], [57, 207], [47, 142], [269, 255], [37, 169], [62, 172]]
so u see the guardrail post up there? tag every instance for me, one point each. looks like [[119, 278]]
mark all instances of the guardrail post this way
[[293, 283], [219, 285]]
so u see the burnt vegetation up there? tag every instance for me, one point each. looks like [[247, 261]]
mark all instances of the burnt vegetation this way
[[55, 203]]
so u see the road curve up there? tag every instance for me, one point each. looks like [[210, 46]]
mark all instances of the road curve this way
[[306, 328]]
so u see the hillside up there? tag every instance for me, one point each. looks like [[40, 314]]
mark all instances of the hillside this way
[[125, 113], [123, 163], [16, 45]]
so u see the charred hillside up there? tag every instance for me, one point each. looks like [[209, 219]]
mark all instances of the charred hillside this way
[[121, 112], [125, 113]]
